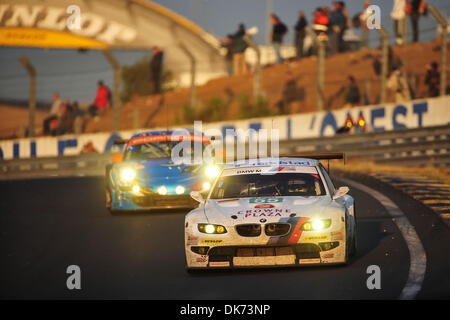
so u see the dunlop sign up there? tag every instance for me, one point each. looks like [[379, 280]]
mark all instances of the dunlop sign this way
[[47, 26]]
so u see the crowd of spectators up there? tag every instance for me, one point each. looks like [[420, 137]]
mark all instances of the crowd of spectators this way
[[67, 117], [330, 24], [327, 23]]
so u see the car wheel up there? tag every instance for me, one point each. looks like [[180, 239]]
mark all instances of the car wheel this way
[[347, 244], [109, 202], [108, 199], [354, 246]]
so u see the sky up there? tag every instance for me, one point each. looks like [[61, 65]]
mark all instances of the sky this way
[[74, 75]]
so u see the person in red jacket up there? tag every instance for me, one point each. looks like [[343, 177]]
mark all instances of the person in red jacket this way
[[101, 100], [320, 21]]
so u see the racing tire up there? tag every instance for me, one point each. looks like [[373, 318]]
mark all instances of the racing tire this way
[[354, 238], [109, 202], [347, 244], [353, 246]]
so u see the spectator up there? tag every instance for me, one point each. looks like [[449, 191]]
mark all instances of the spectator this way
[[278, 31], [239, 47], [101, 100], [156, 68], [89, 148], [351, 92], [77, 112], [398, 16], [326, 11], [53, 114], [65, 121], [348, 25], [338, 23], [320, 24], [240, 32], [432, 79], [346, 14], [289, 94], [398, 85], [78, 118], [227, 43], [363, 18], [415, 8], [300, 33], [320, 21]]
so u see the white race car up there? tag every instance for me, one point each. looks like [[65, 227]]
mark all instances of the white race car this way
[[271, 212]]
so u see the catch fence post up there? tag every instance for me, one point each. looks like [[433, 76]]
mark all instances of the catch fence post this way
[[32, 97]]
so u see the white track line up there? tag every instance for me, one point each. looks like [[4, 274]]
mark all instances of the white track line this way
[[418, 258]]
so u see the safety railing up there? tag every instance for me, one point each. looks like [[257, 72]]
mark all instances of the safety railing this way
[[419, 147], [409, 147], [91, 164]]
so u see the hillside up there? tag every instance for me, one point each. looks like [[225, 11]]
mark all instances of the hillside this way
[[162, 110], [13, 118], [158, 110]]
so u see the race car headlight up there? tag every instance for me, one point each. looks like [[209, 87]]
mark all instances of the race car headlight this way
[[162, 190], [128, 174], [316, 224], [212, 171], [206, 186], [211, 228], [179, 190]]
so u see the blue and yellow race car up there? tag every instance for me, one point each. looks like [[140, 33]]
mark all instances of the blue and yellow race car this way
[[146, 176]]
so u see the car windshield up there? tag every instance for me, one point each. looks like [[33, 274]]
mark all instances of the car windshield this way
[[155, 150], [263, 185]]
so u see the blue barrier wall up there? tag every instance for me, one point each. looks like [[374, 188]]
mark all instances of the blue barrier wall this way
[[412, 114]]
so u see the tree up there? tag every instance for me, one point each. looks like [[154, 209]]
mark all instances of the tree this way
[[253, 109]]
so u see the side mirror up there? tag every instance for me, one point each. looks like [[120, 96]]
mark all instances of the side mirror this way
[[117, 158], [340, 192], [197, 196]]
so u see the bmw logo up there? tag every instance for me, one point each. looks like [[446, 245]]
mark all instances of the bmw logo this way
[[262, 220]]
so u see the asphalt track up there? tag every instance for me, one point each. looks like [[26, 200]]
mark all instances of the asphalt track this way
[[48, 224]]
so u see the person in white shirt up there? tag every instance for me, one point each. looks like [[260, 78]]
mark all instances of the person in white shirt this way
[[398, 16], [398, 84], [53, 114]]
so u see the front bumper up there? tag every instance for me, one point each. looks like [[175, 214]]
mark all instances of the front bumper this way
[[231, 251], [130, 201]]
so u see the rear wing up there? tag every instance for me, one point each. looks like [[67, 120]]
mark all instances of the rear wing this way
[[318, 156], [315, 156]]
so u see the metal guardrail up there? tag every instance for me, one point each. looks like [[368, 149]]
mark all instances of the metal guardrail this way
[[92, 164], [411, 147]]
